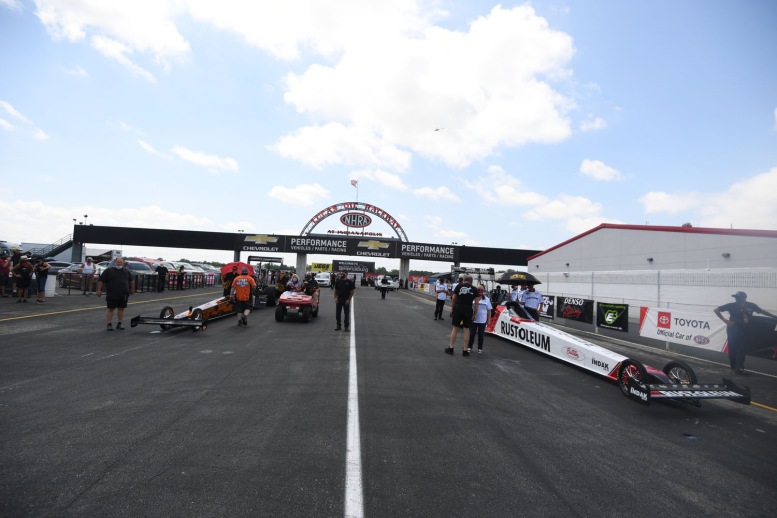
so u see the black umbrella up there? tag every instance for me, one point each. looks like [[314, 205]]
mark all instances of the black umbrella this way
[[518, 278]]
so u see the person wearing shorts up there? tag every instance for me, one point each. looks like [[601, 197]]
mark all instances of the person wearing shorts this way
[[465, 297], [242, 288], [119, 285]]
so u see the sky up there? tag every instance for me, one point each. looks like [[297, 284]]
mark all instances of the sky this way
[[516, 125]]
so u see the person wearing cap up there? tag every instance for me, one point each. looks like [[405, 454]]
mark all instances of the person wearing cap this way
[[87, 271], [740, 315], [242, 288], [22, 274]]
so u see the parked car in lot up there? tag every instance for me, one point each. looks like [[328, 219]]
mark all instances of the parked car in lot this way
[[212, 273], [70, 277], [56, 266], [323, 279], [139, 268]]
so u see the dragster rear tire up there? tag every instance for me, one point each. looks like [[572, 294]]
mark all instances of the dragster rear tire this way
[[680, 373], [167, 312], [272, 296]]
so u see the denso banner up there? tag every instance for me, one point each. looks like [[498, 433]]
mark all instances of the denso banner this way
[[612, 316], [574, 308], [696, 329]]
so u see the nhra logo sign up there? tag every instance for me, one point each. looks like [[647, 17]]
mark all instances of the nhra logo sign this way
[[356, 220]]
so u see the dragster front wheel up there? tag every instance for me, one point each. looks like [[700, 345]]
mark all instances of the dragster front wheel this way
[[680, 373], [280, 312], [631, 369], [167, 312], [197, 315]]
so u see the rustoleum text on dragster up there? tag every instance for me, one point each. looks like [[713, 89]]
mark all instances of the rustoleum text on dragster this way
[[526, 335]]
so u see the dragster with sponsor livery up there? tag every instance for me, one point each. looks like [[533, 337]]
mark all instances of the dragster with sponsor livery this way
[[638, 382]]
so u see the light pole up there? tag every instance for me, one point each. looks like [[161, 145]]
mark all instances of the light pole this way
[[85, 216]]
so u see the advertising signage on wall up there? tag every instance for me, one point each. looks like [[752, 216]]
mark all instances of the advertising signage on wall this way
[[612, 316], [572, 308], [353, 266], [426, 251], [548, 303]]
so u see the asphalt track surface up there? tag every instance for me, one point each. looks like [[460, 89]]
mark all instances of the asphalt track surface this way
[[254, 421]]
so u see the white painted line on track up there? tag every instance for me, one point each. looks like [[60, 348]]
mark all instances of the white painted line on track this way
[[354, 500]]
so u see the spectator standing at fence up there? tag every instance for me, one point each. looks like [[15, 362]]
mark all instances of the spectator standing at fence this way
[[87, 271], [5, 273], [16, 258], [119, 285], [181, 272], [22, 274], [242, 288], [41, 270], [482, 314], [161, 280], [740, 316]]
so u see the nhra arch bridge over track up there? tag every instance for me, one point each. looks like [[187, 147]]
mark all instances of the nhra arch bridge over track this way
[[312, 244]]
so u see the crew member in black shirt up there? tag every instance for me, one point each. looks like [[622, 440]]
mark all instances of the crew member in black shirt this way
[[344, 290], [464, 297]]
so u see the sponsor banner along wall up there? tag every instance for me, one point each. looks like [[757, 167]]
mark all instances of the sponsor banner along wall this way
[[353, 266], [612, 316], [548, 303], [571, 308], [704, 330]]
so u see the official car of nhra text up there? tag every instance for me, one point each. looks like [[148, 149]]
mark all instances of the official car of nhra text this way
[[638, 382]]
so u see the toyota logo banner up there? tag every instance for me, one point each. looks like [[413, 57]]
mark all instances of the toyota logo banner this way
[[696, 329]]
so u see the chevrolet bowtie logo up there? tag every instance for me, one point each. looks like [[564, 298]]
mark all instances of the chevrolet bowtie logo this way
[[262, 239], [373, 245]]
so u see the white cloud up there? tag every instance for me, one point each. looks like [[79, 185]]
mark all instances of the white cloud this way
[[593, 124], [501, 188], [381, 177], [598, 170], [397, 90], [577, 213], [303, 194], [144, 26], [13, 112], [118, 51], [27, 127], [214, 163], [14, 5], [749, 204], [150, 149], [335, 143], [436, 193]]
